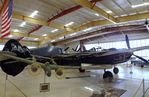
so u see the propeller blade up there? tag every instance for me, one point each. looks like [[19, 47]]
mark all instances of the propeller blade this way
[[75, 48], [66, 48], [146, 22], [83, 48], [141, 58], [93, 49], [127, 41]]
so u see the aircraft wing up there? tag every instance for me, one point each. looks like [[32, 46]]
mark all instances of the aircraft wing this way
[[139, 48], [3, 53]]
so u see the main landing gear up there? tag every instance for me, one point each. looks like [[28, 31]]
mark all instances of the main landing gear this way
[[81, 70], [115, 70], [108, 76]]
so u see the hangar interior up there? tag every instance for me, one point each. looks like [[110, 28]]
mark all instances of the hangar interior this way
[[105, 25]]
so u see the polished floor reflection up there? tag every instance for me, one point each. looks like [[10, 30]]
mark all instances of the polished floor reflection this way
[[76, 85]]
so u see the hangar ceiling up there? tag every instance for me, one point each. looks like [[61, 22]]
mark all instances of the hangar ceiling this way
[[60, 21]]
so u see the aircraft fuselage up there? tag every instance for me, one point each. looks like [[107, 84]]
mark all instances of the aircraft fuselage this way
[[97, 58]]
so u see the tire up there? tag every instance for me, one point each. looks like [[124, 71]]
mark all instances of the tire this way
[[108, 76], [116, 70]]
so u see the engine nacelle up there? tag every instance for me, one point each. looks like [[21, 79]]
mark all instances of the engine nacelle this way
[[11, 66]]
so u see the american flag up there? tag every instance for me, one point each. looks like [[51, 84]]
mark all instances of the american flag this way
[[6, 17]]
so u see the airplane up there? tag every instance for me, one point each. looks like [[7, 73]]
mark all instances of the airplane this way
[[110, 56], [15, 57]]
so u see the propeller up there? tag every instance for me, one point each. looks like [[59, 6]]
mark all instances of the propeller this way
[[35, 68], [75, 48], [128, 46], [83, 49], [147, 24], [141, 58], [79, 48], [59, 73], [66, 48], [127, 41], [48, 68]]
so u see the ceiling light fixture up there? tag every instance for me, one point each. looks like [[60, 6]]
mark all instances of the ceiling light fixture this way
[[68, 24], [87, 29], [109, 11], [53, 40], [88, 88], [44, 35], [34, 13], [10, 36], [54, 30], [73, 34], [22, 24], [96, 14], [15, 30], [36, 39], [140, 5], [60, 37]]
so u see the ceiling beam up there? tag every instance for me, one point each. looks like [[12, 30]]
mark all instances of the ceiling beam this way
[[21, 34], [101, 32], [23, 42], [62, 13], [16, 15], [89, 5], [141, 32], [103, 22]]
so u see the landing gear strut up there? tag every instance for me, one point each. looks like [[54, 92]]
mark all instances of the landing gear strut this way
[[116, 70], [81, 70], [108, 76]]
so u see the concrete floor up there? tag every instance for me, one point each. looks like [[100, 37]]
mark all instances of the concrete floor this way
[[75, 87]]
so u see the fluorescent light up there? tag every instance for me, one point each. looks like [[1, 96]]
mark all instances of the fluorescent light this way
[[16, 30], [87, 29], [10, 36], [140, 5], [109, 11], [124, 15], [60, 37], [23, 24], [96, 14], [36, 39], [34, 13], [44, 35], [54, 30], [52, 40], [73, 34], [88, 88], [68, 24]]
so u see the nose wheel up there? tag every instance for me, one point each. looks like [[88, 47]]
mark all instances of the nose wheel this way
[[115, 70], [108, 76]]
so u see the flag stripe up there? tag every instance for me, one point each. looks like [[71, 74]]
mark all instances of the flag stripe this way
[[5, 11], [7, 22], [6, 18]]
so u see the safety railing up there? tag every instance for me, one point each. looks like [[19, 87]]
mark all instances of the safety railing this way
[[144, 93]]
